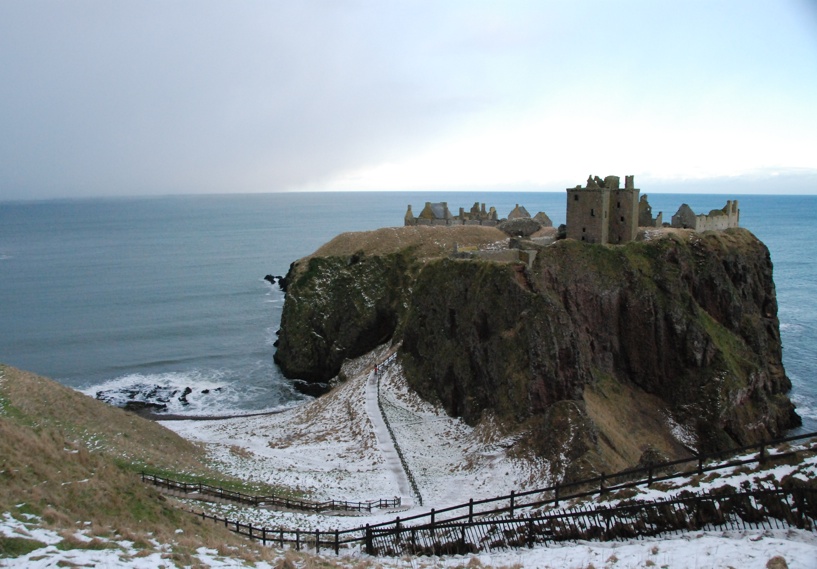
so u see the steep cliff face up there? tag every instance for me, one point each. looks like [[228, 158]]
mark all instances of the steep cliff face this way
[[690, 319], [594, 354]]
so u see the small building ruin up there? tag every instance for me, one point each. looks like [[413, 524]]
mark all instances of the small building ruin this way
[[438, 214]]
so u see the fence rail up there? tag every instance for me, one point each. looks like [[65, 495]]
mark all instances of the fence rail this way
[[554, 495], [755, 509], [468, 527], [378, 370], [268, 501], [503, 527]]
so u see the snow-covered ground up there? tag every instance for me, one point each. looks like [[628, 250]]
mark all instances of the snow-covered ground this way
[[339, 447]]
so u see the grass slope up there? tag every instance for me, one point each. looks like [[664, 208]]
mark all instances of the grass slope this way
[[71, 461]]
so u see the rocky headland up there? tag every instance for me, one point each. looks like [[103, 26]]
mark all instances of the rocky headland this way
[[597, 357]]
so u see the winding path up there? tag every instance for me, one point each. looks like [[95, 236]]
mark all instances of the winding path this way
[[385, 443]]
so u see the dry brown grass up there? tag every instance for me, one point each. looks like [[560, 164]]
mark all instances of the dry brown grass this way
[[426, 241], [629, 420], [42, 403], [47, 469]]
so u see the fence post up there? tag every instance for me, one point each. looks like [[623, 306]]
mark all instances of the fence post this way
[[512, 500], [297, 539], [700, 464], [337, 543], [369, 548], [264, 535], [601, 483], [471, 510], [530, 532], [649, 475], [317, 541], [556, 495], [761, 459]]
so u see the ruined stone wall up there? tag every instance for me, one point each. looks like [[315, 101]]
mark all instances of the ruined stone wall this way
[[716, 220], [720, 219]]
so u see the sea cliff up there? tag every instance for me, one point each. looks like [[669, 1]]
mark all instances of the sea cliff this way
[[597, 356]]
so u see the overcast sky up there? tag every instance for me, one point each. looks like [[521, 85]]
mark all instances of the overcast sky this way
[[158, 97]]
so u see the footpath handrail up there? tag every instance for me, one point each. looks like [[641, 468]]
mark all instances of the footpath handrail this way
[[760, 508], [378, 371], [630, 478], [553, 494], [270, 500]]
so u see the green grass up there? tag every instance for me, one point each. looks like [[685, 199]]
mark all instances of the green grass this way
[[18, 546]]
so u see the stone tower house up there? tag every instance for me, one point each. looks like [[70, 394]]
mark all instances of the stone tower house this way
[[602, 212]]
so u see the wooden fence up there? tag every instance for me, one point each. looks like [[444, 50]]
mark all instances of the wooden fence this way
[[378, 370], [753, 509], [553, 496], [268, 501], [468, 528]]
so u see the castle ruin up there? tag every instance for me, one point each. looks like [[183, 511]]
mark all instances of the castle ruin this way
[[602, 212]]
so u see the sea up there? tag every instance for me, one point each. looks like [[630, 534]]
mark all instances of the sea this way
[[163, 299]]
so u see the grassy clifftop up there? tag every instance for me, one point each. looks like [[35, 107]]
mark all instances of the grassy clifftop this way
[[423, 241]]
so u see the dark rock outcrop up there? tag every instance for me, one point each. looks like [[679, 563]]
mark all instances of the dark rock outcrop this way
[[338, 308], [685, 326]]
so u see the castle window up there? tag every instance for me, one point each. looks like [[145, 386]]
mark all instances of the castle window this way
[[622, 219], [592, 213], [584, 229], [575, 197], [618, 204]]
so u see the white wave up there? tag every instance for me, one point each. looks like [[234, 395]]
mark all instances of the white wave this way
[[806, 406], [197, 392]]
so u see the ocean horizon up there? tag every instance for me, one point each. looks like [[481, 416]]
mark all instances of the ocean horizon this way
[[140, 297]]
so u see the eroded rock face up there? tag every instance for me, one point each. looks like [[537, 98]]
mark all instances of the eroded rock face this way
[[688, 320]]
